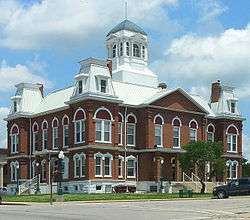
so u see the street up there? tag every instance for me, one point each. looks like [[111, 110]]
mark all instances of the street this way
[[233, 208]]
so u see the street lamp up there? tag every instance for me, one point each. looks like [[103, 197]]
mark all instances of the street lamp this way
[[17, 182], [61, 157], [38, 180], [161, 178]]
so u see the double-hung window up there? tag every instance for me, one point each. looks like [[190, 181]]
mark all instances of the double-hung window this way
[[158, 121], [107, 166], [131, 130], [193, 126], [79, 123], [35, 137], [55, 138], [14, 139], [232, 136], [131, 168], [120, 167], [45, 136], [98, 166], [210, 133]]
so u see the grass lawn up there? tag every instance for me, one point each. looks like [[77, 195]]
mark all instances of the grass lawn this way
[[100, 197]]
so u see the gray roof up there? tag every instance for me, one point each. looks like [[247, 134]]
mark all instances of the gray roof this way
[[129, 26]]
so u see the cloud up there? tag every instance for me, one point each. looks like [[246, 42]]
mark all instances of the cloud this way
[[12, 75], [193, 60], [246, 146], [3, 130], [52, 23]]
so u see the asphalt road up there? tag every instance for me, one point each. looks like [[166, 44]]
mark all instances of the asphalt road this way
[[233, 208]]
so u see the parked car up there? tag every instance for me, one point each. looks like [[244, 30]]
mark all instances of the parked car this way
[[237, 187], [3, 191]]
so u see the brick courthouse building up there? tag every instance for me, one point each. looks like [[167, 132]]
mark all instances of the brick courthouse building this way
[[117, 123]]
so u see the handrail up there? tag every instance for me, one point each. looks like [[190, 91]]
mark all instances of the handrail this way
[[191, 179], [28, 184], [195, 177]]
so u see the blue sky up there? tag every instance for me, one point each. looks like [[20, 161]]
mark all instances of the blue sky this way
[[192, 42]]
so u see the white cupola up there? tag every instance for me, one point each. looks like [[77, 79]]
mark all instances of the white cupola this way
[[127, 46]]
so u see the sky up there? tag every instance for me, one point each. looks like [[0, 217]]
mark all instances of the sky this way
[[192, 44]]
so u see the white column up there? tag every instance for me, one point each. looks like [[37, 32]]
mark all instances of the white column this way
[[1, 175]]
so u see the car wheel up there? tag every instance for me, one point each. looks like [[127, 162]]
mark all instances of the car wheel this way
[[221, 195]]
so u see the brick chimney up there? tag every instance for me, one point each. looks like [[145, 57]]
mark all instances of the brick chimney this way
[[109, 65], [215, 91]]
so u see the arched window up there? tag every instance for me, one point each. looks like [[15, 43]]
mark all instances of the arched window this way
[[158, 121], [210, 132], [55, 139], [127, 48], [232, 169], [79, 122], [136, 50], [193, 126], [65, 123], [131, 166], [45, 135], [232, 136], [98, 164], [33, 169], [176, 123], [35, 136], [121, 49], [131, 130], [143, 52], [79, 165], [14, 138], [114, 51], [120, 128], [108, 165], [103, 118], [14, 171], [120, 166], [43, 170], [65, 168]]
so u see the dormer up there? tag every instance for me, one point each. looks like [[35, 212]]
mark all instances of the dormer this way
[[94, 79], [26, 98], [223, 100]]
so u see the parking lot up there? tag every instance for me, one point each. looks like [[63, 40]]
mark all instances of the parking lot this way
[[233, 208]]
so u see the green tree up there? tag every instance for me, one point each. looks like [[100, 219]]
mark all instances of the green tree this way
[[198, 155]]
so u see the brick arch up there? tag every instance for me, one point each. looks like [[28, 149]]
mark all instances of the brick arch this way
[[14, 129], [79, 114], [131, 118], [211, 128], [158, 119], [35, 127], [103, 113], [232, 129], [120, 117], [45, 125], [193, 124], [55, 122], [176, 122], [65, 120]]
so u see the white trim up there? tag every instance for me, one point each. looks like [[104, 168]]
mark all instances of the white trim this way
[[55, 118], [45, 121], [65, 116], [105, 109], [14, 125], [121, 116], [83, 139], [131, 157], [64, 126], [131, 114], [193, 120], [161, 135], [229, 164], [103, 131], [179, 137], [35, 123], [162, 119], [211, 124], [232, 125], [79, 109], [176, 118], [108, 155], [101, 163], [134, 135], [122, 166]]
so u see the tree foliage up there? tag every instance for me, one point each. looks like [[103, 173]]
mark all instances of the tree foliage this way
[[200, 155]]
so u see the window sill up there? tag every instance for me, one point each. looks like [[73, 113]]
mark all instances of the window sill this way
[[103, 142], [109, 176], [82, 142], [235, 152], [120, 177], [98, 176], [131, 177], [130, 145], [177, 147]]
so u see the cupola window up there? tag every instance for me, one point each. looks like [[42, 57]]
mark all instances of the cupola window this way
[[80, 87], [233, 107], [114, 51], [121, 49], [15, 106], [143, 52], [136, 51], [127, 48]]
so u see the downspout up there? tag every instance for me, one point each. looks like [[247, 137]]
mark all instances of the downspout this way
[[30, 151], [125, 144]]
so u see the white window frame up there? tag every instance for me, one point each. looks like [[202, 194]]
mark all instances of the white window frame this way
[[103, 121], [192, 130], [230, 144], [230, 165], [107, 156], [14, 139], [54, 137], [120, 166], [34, 140], [64, 128], [76, 158], [43, 169], [134, 166], [134, 134], [98, 155], [120, 130], [33, 169], [212, 136], [14, 170], [161, 134], [179, 136], [82, 130], [127, 48], [44, 131], [136, 50]]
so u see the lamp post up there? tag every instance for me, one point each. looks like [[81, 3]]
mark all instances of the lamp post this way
[[60, 157], [38, 180], [161, 177], [17, 182]]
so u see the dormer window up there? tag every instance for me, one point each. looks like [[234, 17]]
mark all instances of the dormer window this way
[[114, 51], [127, 48], [80, 87], [14, 106], [233, 107], [103, 85], [136, 51]]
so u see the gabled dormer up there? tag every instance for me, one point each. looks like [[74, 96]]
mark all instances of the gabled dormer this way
[[26, 98], [93, 80], [224, 101]]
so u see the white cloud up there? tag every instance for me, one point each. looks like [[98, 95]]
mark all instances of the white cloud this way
[[246, 146], [52, 23], [12, 75], [3, 129], [194, 60]]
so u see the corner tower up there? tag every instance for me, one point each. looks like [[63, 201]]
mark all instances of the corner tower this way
[[127, 46]]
